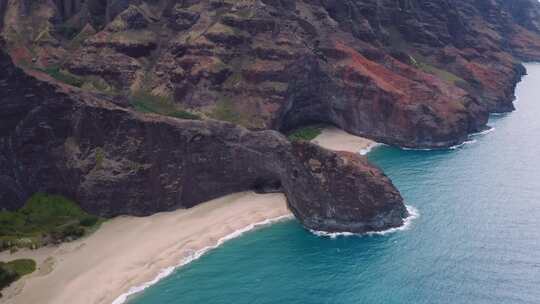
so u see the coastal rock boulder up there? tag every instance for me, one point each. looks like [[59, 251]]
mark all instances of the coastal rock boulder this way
[[348, 188], [113, 161]]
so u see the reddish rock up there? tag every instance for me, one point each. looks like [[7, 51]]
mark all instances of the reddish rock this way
[[409, 73], [115, 161]]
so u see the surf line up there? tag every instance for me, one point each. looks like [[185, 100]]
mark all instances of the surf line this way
[[196, 255], [413, 214]]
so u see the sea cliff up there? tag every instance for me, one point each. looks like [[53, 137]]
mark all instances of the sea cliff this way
[[113, 160], [414, 73]]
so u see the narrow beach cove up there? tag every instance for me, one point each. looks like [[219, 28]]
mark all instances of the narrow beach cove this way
[[128, 254], [476, 240], [128, 251], [479, 210]]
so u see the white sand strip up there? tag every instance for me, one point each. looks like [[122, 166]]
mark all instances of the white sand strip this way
[[130, 251], [336, 139]]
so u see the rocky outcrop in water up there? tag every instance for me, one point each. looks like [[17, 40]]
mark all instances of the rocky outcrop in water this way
[[112, 160], [415, 73]]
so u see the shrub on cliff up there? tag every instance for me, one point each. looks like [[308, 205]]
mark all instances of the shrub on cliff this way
[[148, 103], [12, 271], [7, 276], [306, 133], [63, 76], [44, 219]]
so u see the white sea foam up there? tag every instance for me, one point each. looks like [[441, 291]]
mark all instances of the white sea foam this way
[[484, 132], [419, 149], [369, 148], [196, 255], [461, 145], [467, 142], [470, 141], [413, 214]]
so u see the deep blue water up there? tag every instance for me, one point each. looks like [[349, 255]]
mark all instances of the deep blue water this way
[[477, 239]]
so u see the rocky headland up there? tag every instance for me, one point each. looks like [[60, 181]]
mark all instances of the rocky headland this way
[[113, 160], [413, 73]]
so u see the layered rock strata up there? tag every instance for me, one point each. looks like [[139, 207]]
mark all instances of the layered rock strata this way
[[414, 73]]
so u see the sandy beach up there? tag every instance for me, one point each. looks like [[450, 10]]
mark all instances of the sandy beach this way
[[129, 251], [336, 139]]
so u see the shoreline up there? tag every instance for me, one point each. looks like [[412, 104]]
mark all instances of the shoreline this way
[[330, 138], [128, 267], [336, 139], [198, 254], [129, 251], [407, 222], [471, 139]]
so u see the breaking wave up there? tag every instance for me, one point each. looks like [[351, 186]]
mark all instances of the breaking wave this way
[[413, 214], [196, 255]]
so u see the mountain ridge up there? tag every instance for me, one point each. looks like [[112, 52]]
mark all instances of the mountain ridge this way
[[418, 74]]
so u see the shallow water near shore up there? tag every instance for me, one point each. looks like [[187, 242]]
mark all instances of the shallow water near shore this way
[[477, 239]]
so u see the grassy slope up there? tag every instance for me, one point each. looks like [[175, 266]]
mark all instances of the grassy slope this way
[[306, 133], [63, 76], [148, 103], [44, 219]]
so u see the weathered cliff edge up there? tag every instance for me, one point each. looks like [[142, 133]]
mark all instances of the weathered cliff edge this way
[[413, 73], [114, 161]]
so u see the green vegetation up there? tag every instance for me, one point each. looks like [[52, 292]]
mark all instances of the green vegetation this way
[[225, 111], [44, 36], [14, 270], [43, 220], [148, 103], [100, 156], [91, 83], [63, 76], [305, 133], [21, 267], [98, 84], [443, 74]]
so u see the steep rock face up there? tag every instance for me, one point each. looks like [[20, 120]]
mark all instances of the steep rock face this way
[[113, 161], [339, 178], [415, 73], [3, 7]]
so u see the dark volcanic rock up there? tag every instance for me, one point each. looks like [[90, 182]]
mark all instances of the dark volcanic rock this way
[[414, 73], [3, 6], [113, 161], [340, 176]]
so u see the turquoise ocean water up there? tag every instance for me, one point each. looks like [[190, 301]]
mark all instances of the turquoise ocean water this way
[[477, 239]]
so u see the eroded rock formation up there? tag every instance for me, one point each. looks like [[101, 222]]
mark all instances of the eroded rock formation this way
[[112, 160], [415, 73]]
